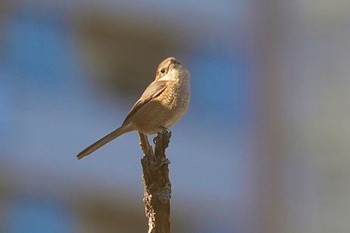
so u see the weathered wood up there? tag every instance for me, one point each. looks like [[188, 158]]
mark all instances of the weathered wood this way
[[157, 186]]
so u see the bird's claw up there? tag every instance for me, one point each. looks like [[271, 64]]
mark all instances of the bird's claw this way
[[155, 139], [165, 132]]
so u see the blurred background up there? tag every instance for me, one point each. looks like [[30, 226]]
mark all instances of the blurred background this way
[[265, 144]]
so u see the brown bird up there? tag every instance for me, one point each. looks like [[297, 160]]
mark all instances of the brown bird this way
[[161, 105]]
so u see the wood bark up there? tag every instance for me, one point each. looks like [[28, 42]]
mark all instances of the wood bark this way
[[157, 186]]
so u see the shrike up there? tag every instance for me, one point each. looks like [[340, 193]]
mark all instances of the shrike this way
[[161, 105]]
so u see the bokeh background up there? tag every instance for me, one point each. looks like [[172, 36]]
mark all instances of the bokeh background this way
[[264, 147]]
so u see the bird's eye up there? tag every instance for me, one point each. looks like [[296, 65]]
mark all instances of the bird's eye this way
[[162, 71]]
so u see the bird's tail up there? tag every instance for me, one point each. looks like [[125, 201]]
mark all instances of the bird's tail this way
[[106, 139]]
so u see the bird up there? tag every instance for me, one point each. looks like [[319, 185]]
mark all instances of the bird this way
[[162, 104]]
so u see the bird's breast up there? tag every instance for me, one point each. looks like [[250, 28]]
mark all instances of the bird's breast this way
[[166, 109], [176, 100]]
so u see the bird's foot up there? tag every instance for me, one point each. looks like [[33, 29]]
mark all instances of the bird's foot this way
[[165, 132]]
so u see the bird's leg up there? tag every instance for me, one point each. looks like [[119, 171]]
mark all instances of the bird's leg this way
[[161, 142], [165, 132]]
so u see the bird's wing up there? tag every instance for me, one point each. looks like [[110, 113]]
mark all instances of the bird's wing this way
[[151, 92]]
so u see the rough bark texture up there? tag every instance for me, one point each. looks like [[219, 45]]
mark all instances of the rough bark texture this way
[[157, 186]]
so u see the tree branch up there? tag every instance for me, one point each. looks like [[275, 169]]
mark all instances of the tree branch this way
[[157, 186]]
